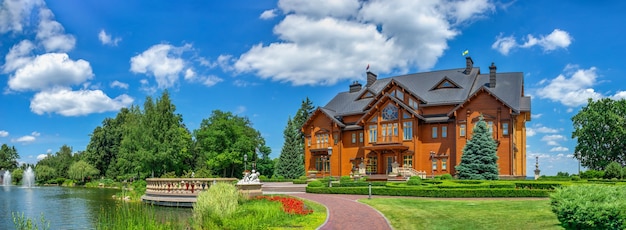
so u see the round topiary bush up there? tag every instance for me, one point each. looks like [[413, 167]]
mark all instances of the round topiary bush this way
[[446, 176], [414, 180], [316, 183]]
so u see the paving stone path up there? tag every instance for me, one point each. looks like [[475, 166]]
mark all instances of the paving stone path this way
[[344, 211]]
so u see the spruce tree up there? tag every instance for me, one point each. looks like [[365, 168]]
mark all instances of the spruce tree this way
[[291, 161], [290, 165], [479, 159]]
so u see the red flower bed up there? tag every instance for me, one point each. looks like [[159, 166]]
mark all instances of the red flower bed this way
[[290, 205]]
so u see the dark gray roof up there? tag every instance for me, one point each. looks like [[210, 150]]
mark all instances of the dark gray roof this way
[[422, 85]]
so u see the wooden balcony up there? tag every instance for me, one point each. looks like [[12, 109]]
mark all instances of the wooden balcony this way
[[383, 140]]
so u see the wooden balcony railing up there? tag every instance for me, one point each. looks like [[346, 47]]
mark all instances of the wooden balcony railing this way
[[388, 139], [182, 185]]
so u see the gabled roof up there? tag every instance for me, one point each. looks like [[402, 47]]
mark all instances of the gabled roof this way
[[424, 87]]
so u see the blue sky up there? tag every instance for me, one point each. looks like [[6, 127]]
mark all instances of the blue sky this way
[[67, 65]]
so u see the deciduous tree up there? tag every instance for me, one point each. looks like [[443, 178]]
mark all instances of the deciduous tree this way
[[479, 159], [600, 131], [80, 170], [8, 157]]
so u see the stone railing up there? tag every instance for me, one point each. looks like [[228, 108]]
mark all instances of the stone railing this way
[[182, 186], [408, 172]]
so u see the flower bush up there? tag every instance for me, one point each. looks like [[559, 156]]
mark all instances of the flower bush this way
[[290, 205]]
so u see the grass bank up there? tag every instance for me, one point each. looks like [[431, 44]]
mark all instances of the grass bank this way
[[415, 213]]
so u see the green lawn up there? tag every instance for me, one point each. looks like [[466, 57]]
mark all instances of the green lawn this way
[[416, 213]]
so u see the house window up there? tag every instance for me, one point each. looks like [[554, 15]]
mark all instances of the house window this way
[[444, 164], [407, 161], [308, 140], [360, 137], [353, 138], [444, 131], [321, 164], [407, 130], [490, 126], [373, 133], [390, 112], [505, 129], [462, 130], [400, 95], [434, 132], [321, 140], [412, 103], [372, 165], [434, 164]]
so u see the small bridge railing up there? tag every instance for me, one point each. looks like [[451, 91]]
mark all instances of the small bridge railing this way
[[182, 186]]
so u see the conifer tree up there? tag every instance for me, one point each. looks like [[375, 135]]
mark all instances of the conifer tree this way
[[479, 159], [291, 161]]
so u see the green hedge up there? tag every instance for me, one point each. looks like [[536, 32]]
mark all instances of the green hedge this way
[[537, 185], [425, 192], [276, 180], [361, 183], [299, 181], [469, 181]]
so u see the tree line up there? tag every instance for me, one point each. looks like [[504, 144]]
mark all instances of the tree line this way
[[152, 141]]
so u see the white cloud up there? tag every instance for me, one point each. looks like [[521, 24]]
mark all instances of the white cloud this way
[[52, 34], [106, 39], [163, 61], [4, 133], [240, 109], [553, 139], [504, 44], [555, 40], [559, 149], [530, 132], [536, 116], [76, 103], [118, 84], [329, 41], [210, 80], [24, 139], [35, 134], [619, 95], [268, 14], [574, 90], [14, 15], [41, 156], [543, 129], [50, 70], [18, 56], [242, 83]]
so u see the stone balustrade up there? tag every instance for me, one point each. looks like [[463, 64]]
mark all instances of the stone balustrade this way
[[182, 186]]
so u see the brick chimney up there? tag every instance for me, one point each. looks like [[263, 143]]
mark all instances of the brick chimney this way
[[492, 75], [469, 64], [355, 87], [371, 78]]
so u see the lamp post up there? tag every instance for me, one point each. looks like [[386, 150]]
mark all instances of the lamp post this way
[[245, 162], [330, 152]]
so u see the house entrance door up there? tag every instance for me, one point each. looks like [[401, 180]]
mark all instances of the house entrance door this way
[[389, 164]]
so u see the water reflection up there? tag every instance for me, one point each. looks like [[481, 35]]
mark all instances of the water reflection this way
[[64, 208]]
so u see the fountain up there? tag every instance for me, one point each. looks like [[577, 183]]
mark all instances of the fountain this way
[[29, 178], [250, 185], [6, 179]]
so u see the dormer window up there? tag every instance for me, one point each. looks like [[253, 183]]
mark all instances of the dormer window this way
[[413, 103], [446, 84]]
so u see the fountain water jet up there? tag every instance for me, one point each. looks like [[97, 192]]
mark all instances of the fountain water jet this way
[[6, 179], [28, 179]]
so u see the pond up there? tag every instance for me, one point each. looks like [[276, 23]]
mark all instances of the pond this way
[[63, 207]]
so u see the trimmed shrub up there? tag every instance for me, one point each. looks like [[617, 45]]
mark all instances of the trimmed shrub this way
[[446, 176], [502, 185], [345, 178], [554, 178], [432, 181], [299, 181], [414, 180], [590, 207], [213, 205], [315, 183], [537, 185], [591, 174], [575, 178], [469, 181], [302, 178], [361, 183], [426, 192]]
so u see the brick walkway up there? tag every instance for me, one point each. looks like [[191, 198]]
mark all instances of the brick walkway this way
[[344, 212]]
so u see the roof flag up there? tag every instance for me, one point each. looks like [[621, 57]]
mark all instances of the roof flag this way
[[368, 67], [466, 52]]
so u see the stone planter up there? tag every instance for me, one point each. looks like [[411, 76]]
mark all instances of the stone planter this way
[[250, 190]]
